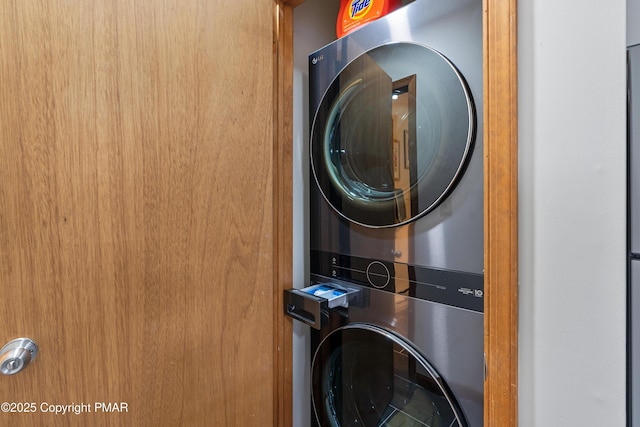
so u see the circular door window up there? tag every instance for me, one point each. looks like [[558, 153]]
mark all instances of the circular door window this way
[[365, 376], [392, 135]]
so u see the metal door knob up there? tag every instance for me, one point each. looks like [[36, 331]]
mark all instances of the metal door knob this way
[[16, 355]]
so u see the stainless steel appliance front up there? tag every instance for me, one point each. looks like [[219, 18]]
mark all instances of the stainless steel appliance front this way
[[395, 359], [396, 209], [396, 140], [634, 148], [633, 79]]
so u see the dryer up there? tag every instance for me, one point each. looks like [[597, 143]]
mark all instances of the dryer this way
[[396, 221], [396, 140]]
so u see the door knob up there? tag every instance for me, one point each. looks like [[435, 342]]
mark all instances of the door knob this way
[[16, 355]]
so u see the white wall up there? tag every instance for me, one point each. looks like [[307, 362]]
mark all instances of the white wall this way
[[314, 27], [572, 119], [633, 22]]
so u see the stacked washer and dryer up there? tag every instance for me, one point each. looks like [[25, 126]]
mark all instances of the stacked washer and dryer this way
[[396, 221]]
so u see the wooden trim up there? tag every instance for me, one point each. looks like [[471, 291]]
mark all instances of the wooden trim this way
[[292, 3], [283, 209], [501, 212]]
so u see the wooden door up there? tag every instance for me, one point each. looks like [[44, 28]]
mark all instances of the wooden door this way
[[136, 211]]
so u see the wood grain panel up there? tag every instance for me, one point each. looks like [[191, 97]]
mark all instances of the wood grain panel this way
[[137, 209], [283, 212], [501, 213]]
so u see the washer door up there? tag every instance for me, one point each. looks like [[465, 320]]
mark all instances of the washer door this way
[[392, 135], [365, 376]]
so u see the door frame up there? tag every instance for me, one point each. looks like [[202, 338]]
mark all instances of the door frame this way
[[500, 209]]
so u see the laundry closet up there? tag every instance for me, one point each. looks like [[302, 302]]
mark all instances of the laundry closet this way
[[394, 256]]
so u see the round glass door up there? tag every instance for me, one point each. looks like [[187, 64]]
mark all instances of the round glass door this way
[[365, 376], [392, 135]]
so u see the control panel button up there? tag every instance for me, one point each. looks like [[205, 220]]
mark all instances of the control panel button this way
[[378, 274]]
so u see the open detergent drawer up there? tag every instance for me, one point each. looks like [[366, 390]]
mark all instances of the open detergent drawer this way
[[307, 304]]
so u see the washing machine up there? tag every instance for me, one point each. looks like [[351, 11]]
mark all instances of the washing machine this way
[[396, 221]]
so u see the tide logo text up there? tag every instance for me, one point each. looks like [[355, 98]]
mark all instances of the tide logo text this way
[[359, 7], [109, 407]]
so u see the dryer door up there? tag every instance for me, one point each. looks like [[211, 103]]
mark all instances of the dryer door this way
[[365, 376], [392, 135]]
